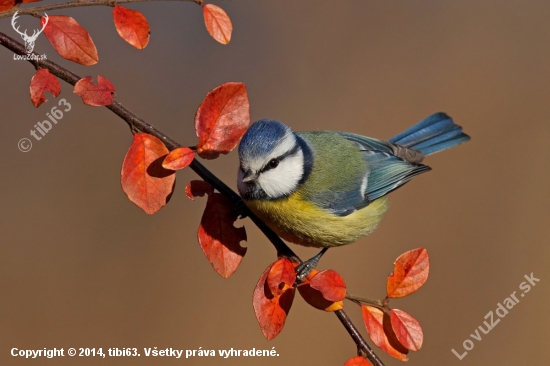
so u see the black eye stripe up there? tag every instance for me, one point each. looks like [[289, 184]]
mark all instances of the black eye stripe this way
[[290, 152], [268, 167]]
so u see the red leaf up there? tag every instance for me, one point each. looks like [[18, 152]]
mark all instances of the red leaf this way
[[330, 284], [144, 180], [217, 23], [410, 272], [315, 298], [70, 40], [219, 239], [198, 188], [42, 82], [95, 95], [6, 5], [178, 158], [281, 276], [30, 1], [407, 329], [271, 310], [222, 119], [357, 361], [132, 26], [380, 332]]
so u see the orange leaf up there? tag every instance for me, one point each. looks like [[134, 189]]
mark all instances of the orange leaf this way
[[310, 274], [330, 284], [222, 119], [357, 361], [380, 332], [178, 158], [144, 180], [281, 276], [315, 298], [6, 5], [70, 40], [217, 23], [219, 239], [198, 188], [410, 272], [132, 26], [271, 310], [407, 329], [95, 95], [42, 82]]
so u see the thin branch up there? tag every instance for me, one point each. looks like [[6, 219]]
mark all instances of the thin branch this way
[[134, 121], [35, 11], [358, 338]]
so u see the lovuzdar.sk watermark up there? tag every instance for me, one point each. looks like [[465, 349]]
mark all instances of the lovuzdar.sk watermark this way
[[29, 40], [501, 311]]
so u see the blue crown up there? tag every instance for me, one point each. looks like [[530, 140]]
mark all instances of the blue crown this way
[[261, 138]]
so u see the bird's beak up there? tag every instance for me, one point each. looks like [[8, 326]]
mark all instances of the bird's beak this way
[[249, 176]]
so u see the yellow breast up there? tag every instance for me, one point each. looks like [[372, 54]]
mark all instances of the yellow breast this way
[[303, 223]]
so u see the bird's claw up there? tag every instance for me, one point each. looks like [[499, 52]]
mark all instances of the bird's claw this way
[[304, 269]]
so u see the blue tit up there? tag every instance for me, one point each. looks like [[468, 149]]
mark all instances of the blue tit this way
[[324, 188]]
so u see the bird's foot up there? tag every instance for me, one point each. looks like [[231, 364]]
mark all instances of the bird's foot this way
[[305, 268]]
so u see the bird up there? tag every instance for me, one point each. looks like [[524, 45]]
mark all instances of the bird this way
[[326, 189]]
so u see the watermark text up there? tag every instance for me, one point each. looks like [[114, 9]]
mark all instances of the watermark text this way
[[501, 311]]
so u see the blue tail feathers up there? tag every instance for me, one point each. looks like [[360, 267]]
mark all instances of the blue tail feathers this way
[[435, 133]]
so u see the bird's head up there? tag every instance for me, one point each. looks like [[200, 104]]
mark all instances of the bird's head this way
[[273, 161]]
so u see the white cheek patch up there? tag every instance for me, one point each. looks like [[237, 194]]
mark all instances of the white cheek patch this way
[[283, 179]]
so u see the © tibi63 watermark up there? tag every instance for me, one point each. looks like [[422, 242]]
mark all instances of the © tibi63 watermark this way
[[501, 311], [42, 128], [29, 40]]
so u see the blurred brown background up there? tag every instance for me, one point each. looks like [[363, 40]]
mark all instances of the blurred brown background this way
[[81, 266]]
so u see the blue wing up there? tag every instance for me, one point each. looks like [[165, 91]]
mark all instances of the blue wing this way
[[386, 169], [393, 163], [389, 165], [388, 172], [342, 203]]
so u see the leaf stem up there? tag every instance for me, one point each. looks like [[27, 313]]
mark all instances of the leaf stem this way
[[134, 121], [380, 304]]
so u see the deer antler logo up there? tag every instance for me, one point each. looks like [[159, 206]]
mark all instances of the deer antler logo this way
[[29, 40]]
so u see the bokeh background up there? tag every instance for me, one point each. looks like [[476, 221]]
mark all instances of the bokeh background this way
[[81, 266]]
